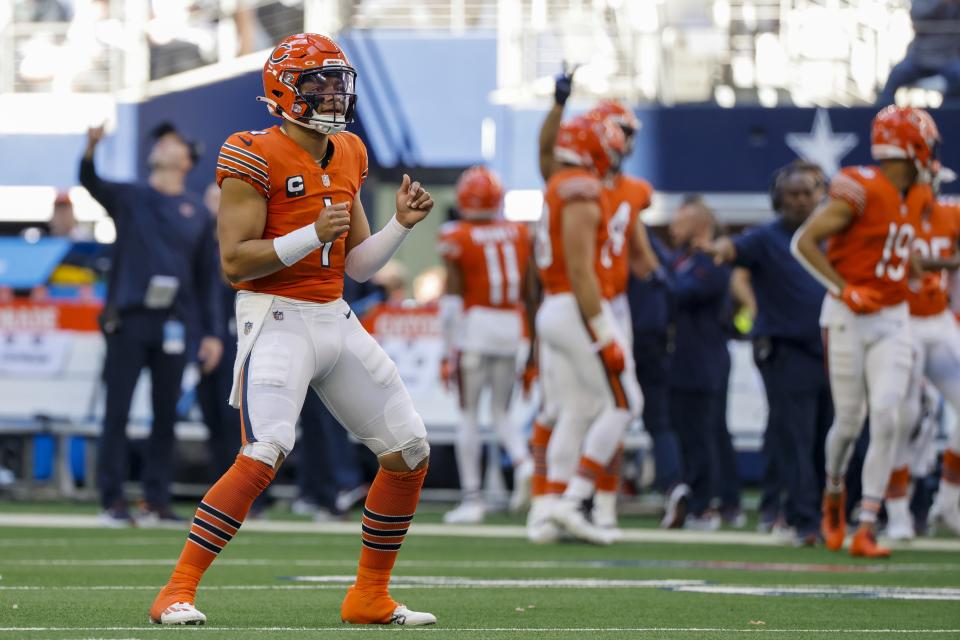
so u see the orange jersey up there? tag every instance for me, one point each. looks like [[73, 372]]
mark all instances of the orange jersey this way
[[874, 250], [296, 188], [492, 257], [937, 238], [564, 187], [627, 197]]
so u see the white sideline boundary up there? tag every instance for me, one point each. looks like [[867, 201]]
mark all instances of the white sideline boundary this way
[[739, 538]]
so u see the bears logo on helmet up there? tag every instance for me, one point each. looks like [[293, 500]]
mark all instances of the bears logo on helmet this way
[[593, 143], [907, 133], [479, 193], [309, 81]]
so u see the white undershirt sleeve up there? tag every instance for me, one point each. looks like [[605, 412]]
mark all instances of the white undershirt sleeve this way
[[369, 256]]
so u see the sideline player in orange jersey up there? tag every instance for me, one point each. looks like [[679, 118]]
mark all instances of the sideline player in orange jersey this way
[[936, 340], [291, 224], [871, 220], [589, 365], [486, 259], [629, 248]]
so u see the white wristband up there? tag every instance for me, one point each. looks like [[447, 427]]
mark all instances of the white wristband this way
[[297, 245], [602, 330]]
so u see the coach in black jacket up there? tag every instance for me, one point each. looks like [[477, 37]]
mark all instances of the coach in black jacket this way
[[159, 313]]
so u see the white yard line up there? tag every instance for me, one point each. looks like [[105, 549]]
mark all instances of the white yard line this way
[[440, 629], [306, 583], [469, 531], [514, 564]]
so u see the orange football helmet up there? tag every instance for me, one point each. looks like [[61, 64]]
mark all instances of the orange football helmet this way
[[479, 193], [308, 80], [593, 143], [907, 133], [620, 114]]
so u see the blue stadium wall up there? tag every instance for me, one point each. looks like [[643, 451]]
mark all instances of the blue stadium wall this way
[[422, 101]]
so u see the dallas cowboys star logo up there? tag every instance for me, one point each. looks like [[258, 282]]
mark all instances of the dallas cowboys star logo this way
[[822, 145]]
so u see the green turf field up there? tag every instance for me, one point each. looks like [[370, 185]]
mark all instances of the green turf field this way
[[85, 583]]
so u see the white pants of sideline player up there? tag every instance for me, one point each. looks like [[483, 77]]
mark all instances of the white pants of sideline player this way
[[287, 346], [869, 358], [594, 408], [489, 347], [936, 345]]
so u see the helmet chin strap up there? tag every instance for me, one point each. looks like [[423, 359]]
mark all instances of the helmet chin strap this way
[[319, 127]]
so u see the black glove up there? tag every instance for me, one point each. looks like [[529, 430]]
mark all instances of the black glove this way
[[564, 85]]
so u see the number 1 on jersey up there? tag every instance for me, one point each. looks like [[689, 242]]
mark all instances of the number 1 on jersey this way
[[326, 246]]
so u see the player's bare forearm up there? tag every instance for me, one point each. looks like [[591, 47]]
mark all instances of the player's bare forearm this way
[[548, 138], [453, 285], [580, 220], [827, 221], [532, 295], [249, 260]]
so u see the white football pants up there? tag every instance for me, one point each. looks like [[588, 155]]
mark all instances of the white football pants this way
[[870, 362]]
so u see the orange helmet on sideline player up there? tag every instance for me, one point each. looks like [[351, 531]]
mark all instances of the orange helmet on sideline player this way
[[593, 143], [620, 114], [907, 133], [308, 80], [479, 193]]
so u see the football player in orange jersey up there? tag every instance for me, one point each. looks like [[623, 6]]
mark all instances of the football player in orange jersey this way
[[629, 249], [937, 358], [871, 220], [486, 258], [290, 225], [588, 364]]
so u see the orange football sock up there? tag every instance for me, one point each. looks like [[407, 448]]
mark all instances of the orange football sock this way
[[609, 478], [387, 515], [951, 466], [899, 484], [219, 516], [555, 488], [539, 440]]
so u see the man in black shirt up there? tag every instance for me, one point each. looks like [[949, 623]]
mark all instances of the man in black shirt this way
[[160, 311]]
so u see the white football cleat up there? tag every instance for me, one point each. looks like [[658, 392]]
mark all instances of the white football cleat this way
[[522, 477], [540, 528], [181, 613], [471, 512], [604, 513], [568, 516], [406, 618], [950, 516], [899, 520]]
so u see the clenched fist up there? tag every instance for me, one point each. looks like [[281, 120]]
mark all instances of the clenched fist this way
[[333, 221]]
